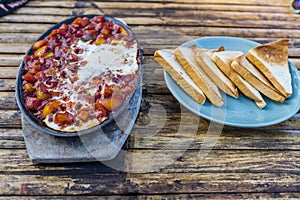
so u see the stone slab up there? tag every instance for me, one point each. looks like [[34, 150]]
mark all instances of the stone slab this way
[[102, 145]]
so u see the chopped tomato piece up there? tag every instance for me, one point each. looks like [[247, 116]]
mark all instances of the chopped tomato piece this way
[[56, 94], [41, 76], [61, 31], [29, 78], [99, 19], [90, 33], [107, 92], [84, 22], [102, 111], [32, 102], [34, 69], [64, 27], [52, 34], [44, 88], [90, 27]]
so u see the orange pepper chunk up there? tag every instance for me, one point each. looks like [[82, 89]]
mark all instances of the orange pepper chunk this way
[[63, 118], [39, 44], [123, 31], [49, 108], [99, 41], [41, 92], [113, 103]]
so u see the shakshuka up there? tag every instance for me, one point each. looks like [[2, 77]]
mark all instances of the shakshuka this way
[[80, 73]]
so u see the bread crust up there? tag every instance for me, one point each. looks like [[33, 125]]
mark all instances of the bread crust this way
[[196, 94], [186, 58], [247, 89], [272, 60], [241, 66], [204, 59]]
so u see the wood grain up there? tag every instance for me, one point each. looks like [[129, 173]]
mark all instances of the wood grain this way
[[213, 196], [75, 184], [167, 140], [163, 161]]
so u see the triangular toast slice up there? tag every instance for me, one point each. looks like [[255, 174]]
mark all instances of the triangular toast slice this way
[[223, 60], [204, 59], [272, 60], [187, 59], [253, 76], [167, 60]]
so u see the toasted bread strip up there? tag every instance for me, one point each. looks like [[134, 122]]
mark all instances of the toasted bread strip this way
[[204, 59], [223, 60], [167, 60], [255, 78], [272, 60], [186, 58]]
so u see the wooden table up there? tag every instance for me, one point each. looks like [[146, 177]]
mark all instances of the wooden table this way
[[243, 163]]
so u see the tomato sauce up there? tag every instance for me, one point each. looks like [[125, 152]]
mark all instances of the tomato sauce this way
[[59, 84]]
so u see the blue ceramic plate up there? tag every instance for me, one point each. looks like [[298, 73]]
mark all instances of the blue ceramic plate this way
[[240, 112]]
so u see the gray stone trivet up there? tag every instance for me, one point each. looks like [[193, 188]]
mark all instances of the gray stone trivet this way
[[44, 148]]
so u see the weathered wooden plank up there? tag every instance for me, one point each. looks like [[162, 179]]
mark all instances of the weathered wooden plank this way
[[11, 139], [71, 3], [205, 19], [22, 18], [7, 84], [117, 6], [13, 48], [202, 161], [10, 118], [187, 33], [214, 196], [18, 38], [195, 183], [224, 2], [8, 101], [9, 28], [59, 4], [10, 60], [191, 17], [153, 183], [9, 72], [67, 12], [45, 11], [165, 161], [238, 32], [147, 137]]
